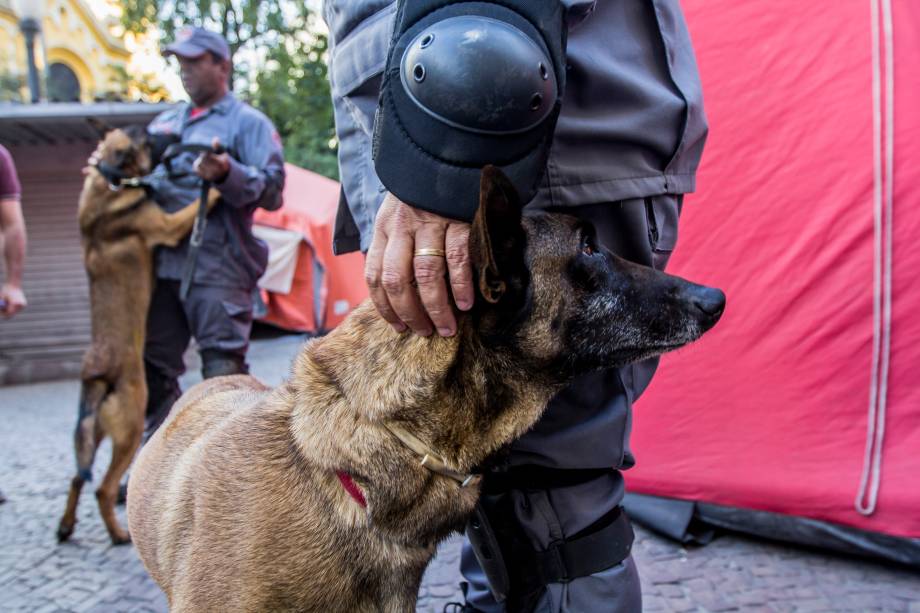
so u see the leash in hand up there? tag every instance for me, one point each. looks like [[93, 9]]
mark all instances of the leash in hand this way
[[201, 219]]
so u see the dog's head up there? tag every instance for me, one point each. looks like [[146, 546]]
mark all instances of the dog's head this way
[[552, 296], [123, 152]]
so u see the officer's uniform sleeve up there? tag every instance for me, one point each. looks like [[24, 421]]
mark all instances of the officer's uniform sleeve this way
[[256, 175]]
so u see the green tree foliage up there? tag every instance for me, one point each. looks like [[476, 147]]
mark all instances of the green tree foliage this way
[[124, 86], [11, 84], [279, 64], [248, 25], [11, 87], [292, 89]]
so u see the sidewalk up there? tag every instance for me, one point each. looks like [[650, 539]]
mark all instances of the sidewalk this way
[[88, 574]]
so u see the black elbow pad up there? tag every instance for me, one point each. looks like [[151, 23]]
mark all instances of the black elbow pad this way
[[468, 84]]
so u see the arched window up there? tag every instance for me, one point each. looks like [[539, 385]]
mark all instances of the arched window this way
[[63, 85]]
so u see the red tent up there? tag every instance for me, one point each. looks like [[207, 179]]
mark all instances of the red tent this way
[[311, 290], [802, 401]]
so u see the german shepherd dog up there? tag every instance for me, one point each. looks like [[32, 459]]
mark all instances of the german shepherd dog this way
[[312, 496], [119, 228]]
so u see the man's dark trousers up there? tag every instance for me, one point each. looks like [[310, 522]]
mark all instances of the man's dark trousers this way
[[220, 319], [587, 425]]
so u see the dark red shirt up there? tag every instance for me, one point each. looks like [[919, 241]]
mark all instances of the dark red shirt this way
[[9, 182]]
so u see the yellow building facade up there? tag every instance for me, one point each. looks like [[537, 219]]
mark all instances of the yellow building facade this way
[[76, 54]]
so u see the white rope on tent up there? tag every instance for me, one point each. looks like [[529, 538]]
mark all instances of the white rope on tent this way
[[882, 269]]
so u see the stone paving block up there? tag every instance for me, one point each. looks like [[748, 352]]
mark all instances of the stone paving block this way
[[654, 604], [755, 597], [670, 590], [781, 606], [712, 601], [816, 605], [442, 590], [680, 605]]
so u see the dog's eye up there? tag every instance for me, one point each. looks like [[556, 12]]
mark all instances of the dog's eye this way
[[587, 246]]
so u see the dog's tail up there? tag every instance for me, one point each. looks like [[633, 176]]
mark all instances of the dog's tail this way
[[87, 433]]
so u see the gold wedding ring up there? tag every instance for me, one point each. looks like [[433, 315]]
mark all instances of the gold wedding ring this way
[[435, 252]]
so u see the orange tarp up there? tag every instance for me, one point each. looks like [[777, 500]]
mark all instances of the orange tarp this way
[[325, 287]]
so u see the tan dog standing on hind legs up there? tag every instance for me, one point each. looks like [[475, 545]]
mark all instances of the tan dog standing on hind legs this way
[[120, 226], [312, 496]]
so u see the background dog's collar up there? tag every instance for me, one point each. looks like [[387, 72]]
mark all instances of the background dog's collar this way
[[430, 459], [117, 178]]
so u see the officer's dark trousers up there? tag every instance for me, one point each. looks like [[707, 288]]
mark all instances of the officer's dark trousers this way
[[587, 425], [220, 319]]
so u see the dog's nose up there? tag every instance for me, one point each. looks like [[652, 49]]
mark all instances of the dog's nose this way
[[709, 300]]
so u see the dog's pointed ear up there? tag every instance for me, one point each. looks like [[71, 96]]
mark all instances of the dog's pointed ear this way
[[496, 236], [100, 127]]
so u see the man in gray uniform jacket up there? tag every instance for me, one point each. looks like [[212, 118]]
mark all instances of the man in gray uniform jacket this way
[[606, 122], [250, 174]]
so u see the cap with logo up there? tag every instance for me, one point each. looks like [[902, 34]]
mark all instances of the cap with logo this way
[[194, 42]]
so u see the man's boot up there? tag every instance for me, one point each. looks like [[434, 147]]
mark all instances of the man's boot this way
[[216, 363]]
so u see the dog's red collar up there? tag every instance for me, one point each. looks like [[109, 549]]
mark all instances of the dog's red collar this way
[[351, 487]]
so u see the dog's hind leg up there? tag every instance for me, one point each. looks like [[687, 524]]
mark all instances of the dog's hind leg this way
[[122, 417], [86, 439]]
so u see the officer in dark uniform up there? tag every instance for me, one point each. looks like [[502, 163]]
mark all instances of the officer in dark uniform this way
[[250, 173], [593, 106]]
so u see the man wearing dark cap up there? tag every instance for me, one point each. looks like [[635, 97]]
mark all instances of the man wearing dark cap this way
[[217, 310], [591, 106]]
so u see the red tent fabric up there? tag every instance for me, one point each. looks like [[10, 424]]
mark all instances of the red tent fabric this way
[[772, 409], [325, 287]]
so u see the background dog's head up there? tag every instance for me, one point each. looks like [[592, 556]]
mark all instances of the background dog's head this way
[[123, 152], [552, 296]]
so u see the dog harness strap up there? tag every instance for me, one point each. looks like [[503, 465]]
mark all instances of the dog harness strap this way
[[430, 459], [351, 487]]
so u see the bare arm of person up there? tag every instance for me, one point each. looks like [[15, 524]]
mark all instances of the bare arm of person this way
[[13, 228]]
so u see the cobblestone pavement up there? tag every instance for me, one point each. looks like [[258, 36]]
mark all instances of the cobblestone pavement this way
[[88, 574]]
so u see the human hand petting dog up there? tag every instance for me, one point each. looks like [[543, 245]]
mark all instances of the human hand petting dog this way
[[414, 248], [213, 166], [93, 160]]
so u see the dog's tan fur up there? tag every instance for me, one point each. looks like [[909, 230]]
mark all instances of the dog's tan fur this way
[[119, 230], [234, 504]]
